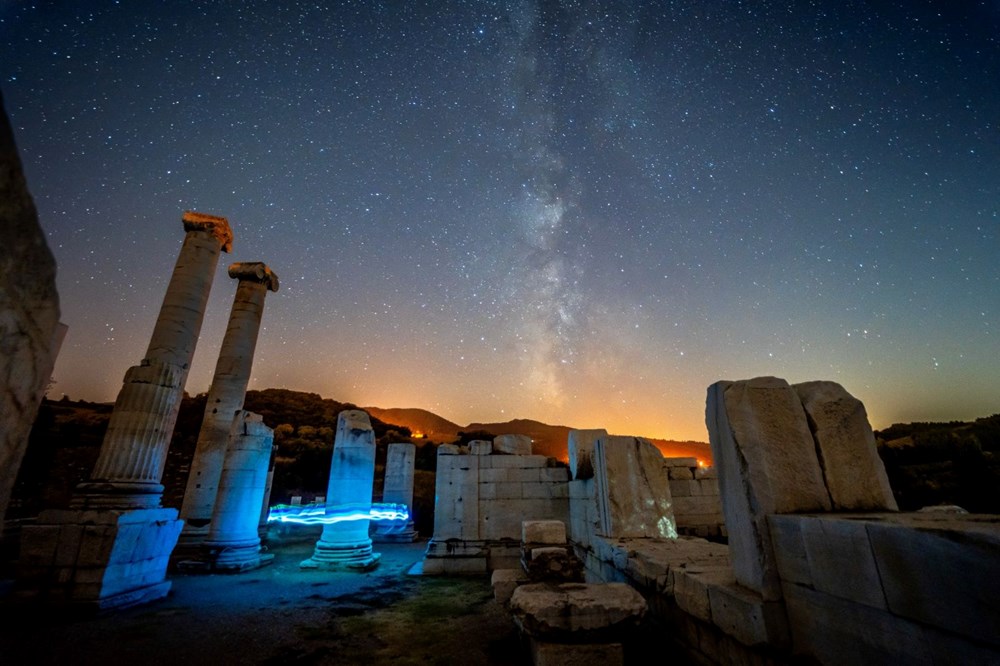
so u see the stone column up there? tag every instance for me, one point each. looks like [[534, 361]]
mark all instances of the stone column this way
[[232, 543], [112, 547], [130, 464], [225, 397], [398, 489], [345, 543], [265, 505]]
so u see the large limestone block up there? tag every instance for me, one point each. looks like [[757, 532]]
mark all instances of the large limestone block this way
[[633, 491], [945, 574], [764, 451], [573, 609], [830, 630], [456, 498], [29, 313], [543, 532], [852, 469], [519, 445], [581, 451]]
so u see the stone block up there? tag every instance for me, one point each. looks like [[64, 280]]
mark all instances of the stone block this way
[[840, 558], [632, 489], [543, 532], [494, 474], [575, 609], [504, 582], [690, 587], [853, 472], [580, 445], [706, 473], [544, 653], [526, 475], [538, 490], [789, 549], [745, 616], [448, 450], [830, 630], [509, 490], [683, 463], [480, 447], [680, 488], [519, 445], [514, 461], [767, 463], [555, 475], [680, 473], [945, 575]]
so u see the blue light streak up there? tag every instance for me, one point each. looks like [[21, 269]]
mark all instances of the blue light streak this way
[[318, 514]]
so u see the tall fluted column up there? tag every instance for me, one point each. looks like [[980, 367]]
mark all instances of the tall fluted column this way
[[111, 548], [130, 464], [225, 397]]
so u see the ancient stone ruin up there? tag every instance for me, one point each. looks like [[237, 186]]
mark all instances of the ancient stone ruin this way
[[112, 546], [29, 314], [819, 566]]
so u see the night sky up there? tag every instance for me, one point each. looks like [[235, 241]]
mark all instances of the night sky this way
[[581, 212]]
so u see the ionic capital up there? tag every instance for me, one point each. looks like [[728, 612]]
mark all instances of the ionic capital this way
[[215, 225], [254, 271]]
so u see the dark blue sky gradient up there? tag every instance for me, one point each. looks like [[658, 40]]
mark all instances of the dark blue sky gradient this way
[[580, 212]]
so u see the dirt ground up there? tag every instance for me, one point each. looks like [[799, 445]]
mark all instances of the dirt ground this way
[[283, 615]]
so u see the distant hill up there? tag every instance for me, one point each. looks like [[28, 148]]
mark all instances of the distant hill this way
[[944, 463], [422, 423], [549, 440]]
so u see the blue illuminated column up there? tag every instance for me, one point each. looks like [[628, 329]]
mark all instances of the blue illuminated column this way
[[398, 489], [233, 543], [345, 543]]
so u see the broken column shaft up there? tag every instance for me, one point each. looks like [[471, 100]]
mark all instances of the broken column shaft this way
[[225, 397], [345, 542]]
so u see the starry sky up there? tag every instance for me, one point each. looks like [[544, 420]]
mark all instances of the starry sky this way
[[578, 212]]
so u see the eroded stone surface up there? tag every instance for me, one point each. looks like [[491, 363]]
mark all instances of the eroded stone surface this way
[[580, 445], [544, 610], [29, 313], [854, 474], [519, 445], [763, 448], [633, 491]]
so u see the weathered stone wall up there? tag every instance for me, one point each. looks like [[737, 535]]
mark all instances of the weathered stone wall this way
[[695, 491], [481, 500], [29, 313]]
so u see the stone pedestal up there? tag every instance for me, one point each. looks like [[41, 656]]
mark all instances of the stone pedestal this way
[[112, 547], [233, 544], [225, 398], [97, 559], [398, 489], [345, 543]]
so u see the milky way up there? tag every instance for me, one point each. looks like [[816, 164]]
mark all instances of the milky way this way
[[579, 212]]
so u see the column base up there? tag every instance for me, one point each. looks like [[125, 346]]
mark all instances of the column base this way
[[393, 532], [124, 495], [98, 559], [347, 556], [226, 557]]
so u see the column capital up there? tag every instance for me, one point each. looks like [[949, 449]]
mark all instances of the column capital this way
[[215, 225], [254, 271]]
